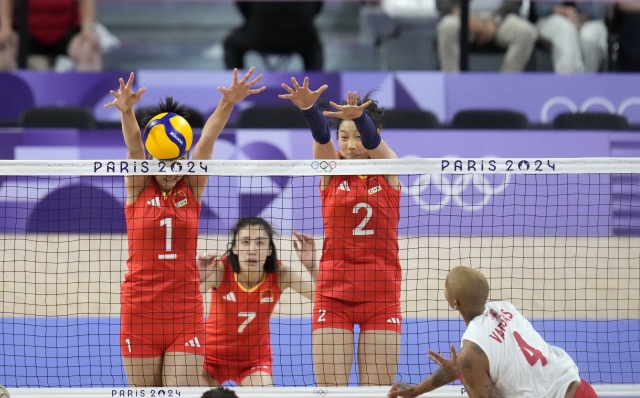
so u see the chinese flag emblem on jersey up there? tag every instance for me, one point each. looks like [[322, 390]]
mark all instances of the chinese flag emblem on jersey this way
[[266, 297], [179, 199]]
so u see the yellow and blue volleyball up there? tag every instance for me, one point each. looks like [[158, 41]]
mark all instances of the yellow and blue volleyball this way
[[168, 136]]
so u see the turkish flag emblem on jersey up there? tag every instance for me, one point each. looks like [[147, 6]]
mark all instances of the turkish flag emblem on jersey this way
[[179, 199]]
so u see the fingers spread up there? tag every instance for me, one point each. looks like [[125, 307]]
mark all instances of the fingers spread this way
[[289, 89], [321, 89], [295, 83], [130, 81], [258, 90], [248, 75], [255, 81]]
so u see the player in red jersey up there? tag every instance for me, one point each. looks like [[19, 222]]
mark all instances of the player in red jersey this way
[[360, 274], [162, 328], [247, 282]]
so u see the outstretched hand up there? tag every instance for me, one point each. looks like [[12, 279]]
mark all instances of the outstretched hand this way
[[349, 111], [240, 90], [125, 98], [207, 264], [402, 389], [302, 97], [448, 366], [305, 247]]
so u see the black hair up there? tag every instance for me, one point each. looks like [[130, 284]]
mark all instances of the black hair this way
[[373, 110], [271, 263], [219, 392], [166, 105]]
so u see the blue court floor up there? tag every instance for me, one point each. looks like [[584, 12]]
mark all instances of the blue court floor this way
[[84, 352]]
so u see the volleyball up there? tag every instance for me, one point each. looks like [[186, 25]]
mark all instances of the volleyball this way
[[168, 136]]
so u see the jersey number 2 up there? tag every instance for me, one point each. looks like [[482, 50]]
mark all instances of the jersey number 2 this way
[[166, 222], [531, 354], [359, 230]]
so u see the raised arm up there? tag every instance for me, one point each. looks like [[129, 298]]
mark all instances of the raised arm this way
[[474, 365], [305, 99], [203, 150], [447, 373], [296, 278], [211, 271], [369, 135], [125, 99]]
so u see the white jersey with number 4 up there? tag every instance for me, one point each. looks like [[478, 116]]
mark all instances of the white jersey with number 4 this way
[[521, 363]]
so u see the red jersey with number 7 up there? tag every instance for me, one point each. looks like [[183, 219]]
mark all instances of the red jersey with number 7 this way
[[163, 279], [360, 251], [238, 324]]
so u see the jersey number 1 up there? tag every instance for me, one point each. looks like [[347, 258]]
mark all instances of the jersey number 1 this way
[[531, 354], [166, 222]]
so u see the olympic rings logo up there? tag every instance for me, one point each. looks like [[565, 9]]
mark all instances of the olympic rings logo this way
[[321, 393], [571, 106], [324, 166], [452, 190]]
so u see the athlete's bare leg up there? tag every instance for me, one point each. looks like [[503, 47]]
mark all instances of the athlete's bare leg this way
[[332, 356], [378, 352], [210, 381], [182, 369], [258, 379], [143, 372]]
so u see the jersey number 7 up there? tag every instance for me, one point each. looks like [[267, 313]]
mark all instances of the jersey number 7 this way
[[531, 354]]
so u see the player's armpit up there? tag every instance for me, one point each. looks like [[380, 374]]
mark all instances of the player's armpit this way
[[474, 366]]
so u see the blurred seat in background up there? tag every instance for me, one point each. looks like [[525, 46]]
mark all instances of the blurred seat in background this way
[[409, 119], [272, 116], [79, 117], [590, 121], [489, 119]]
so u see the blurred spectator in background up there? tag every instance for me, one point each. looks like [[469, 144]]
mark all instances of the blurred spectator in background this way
[[491, 22], [276, 28], [577, 33], [56, 27], [626, 26]]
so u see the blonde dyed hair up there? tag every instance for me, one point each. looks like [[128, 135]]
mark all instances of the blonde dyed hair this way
[[469, 288]]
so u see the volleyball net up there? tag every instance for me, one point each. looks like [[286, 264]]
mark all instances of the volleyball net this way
[[559, 238]]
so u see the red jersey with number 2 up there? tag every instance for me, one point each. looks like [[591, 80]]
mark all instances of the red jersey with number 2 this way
[[163, 279], [238, 324], [360, 252]]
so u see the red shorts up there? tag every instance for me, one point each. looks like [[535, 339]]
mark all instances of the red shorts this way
[[333, 313], [585, 390], [235, 372], [147, 337]]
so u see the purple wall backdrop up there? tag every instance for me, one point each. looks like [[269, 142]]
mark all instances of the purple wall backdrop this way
[[431, 204], [539, 96]]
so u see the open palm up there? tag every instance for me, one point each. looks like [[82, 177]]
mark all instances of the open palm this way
[[125, 98], [240, 90], [349, 111], [302, 97]]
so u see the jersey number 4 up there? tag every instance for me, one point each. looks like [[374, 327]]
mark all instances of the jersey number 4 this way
[[167, 255], [531, 354], [359, 230]]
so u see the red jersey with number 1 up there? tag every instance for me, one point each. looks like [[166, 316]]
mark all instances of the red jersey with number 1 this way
[[360, 252], [163, 279], [238, 324]]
